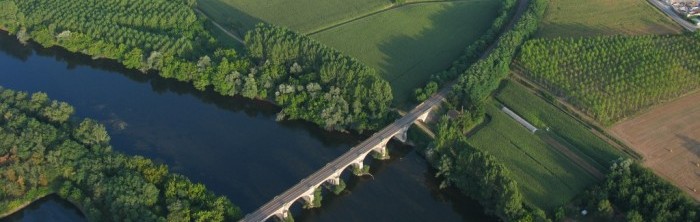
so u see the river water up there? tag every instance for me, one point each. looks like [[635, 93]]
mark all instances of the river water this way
[[232, 145]]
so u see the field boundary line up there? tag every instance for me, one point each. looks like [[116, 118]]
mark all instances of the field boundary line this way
[[571, 110], [385, 9], [571, 155]]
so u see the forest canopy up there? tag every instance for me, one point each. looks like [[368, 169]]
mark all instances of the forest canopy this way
[[43, 149]]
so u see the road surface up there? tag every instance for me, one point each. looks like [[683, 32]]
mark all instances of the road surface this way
[[671, 13]]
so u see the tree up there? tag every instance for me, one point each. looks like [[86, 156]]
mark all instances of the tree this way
[[605, 208], [90, 132]]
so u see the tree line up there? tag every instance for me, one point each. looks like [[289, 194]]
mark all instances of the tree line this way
[[308, 80], [476, 173], [477, 83], [639, 195], [471, 53], [613, 77], [43, 149]]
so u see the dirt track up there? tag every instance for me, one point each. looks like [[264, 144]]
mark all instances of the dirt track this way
[[668, 137]]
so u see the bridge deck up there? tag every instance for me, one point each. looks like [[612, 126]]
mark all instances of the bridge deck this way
[[320, 176]]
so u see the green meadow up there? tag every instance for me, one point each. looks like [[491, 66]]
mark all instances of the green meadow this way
[[410, 43], [572, 18]]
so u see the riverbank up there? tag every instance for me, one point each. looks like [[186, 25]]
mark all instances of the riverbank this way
[[24, 202]]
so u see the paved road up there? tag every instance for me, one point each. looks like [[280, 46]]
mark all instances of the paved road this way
[[671, 13], [320, 176]]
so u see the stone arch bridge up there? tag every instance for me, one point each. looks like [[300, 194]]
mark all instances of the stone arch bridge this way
[[354, 158]]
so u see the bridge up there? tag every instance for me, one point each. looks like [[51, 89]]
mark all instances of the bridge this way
[[305, 190], [330, 174]]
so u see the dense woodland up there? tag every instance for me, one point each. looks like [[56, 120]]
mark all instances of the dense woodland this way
[[639, 195], [45, 150], [308, 80], [613, 77]]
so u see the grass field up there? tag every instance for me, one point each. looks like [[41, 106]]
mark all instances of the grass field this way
[[542, 114], [567, 18], [299, 15], [668, 137], [410, 43], [546, 177]]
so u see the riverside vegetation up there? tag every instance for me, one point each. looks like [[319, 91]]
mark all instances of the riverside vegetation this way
[[43, 149], [308, 80]]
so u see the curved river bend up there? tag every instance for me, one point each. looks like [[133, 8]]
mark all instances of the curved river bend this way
[[233, 146]]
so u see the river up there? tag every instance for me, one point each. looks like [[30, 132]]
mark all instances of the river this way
[[232, 145]]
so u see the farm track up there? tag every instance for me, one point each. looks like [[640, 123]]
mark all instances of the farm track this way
[[388, 8], [572, 156], [233, 36], [562, 104]]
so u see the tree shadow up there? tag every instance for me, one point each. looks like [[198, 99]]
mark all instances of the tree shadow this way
[[233, 19], [9, 46], [693, 145], [252, 108], [409, 61], [576, 30]]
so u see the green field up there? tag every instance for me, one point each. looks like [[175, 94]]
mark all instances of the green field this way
[[546, 177], [300, 15], [542, 114], [566, 18], [410, 43]]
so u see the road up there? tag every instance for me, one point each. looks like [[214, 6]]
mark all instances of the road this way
[[669, 11], [320, 176]]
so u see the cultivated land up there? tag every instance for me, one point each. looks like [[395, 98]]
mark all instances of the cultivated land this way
[[412, 42], [613, 77], [300, 15], [545, 176], [575, 135], [668, 137], [568, 18], [406, 43]]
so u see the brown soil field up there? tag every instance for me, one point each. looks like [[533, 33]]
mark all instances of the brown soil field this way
[[668, 137]]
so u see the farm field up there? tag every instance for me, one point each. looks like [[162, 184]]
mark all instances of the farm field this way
[[579, 138], [569, 18], [668, 137], [300, 15], [412, 42], [546, 177], [611, 78]]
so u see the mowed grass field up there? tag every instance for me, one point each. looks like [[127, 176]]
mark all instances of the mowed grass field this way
[[569, 18], [546, 178], [579, 138], [409, 43], [300, 15]]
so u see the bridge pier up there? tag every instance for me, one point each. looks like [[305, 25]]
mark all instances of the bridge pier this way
[[423, 116], [402, 135], [380, 151], [283, 216]]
